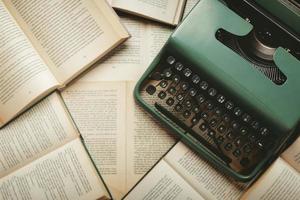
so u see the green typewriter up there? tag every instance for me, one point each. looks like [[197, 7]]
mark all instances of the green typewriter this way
[[227, 82]]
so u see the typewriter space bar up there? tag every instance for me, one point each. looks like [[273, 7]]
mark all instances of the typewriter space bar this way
[[191, 131]]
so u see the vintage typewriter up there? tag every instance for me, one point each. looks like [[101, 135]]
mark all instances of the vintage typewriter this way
[[227, 82]]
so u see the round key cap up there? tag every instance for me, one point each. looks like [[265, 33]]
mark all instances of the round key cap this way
[[237, 111], [238, 142], [244, 131], [172, 90], [221, 98], [204, 85], [176, 78], [213, 122], [151, 89], [246, 118], [192, 92], [194, 120], [187, 72], [228, 146], [229, 105], [168, 73], [195, 79], [200, 99], [187, 114], [188, 104], [211, 133], [178, 107], [196, 109], [220, 140], [222, 129], [180, 97], [184, 86], [209, 105], [218, 111], [163, 84], [235, 125], [264, 131], [255, 125], [162, 95], [261, 144], [237, 153], [170, 101], [203, 127], [171, 60], [178, 66], [212, 92], [226, 118], [204, 115]]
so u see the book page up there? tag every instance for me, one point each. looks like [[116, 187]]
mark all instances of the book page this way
[[208, 181], [122, 139], [130, 60], [66, 173], [189, 5], [161, 10], [38, 131], [280, 181], [70, 34], [23, 74], [147, 139], [99, 112], [163, 183], [292, 155]]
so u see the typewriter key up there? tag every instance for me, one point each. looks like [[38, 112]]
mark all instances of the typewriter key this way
[[195, 79], [212, 92], [204, 85], [171, 60], [178, 66], [172, 90], [162, 95], [237, 153], [170, 101], [151, 89], [187, 72]]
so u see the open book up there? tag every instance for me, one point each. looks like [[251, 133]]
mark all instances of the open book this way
[[121, 137], [130, 60], [42, 157], [281, 180], [182, 174], [46, 44], [166, 11]]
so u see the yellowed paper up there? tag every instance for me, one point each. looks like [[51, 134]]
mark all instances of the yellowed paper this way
[[131, 59], [122, 139], [66, 173], [23, 74], [41, 129], [280, 181], [160, 10], [163, 182], [292, 155], [71, 35], [201, 175]]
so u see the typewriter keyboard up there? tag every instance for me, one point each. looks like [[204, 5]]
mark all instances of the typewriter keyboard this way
[[189, 100]]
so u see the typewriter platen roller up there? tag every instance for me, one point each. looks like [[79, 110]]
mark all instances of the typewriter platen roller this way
[[238, 109]]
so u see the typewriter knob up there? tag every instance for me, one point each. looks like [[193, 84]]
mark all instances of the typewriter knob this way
[[263, 45]]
